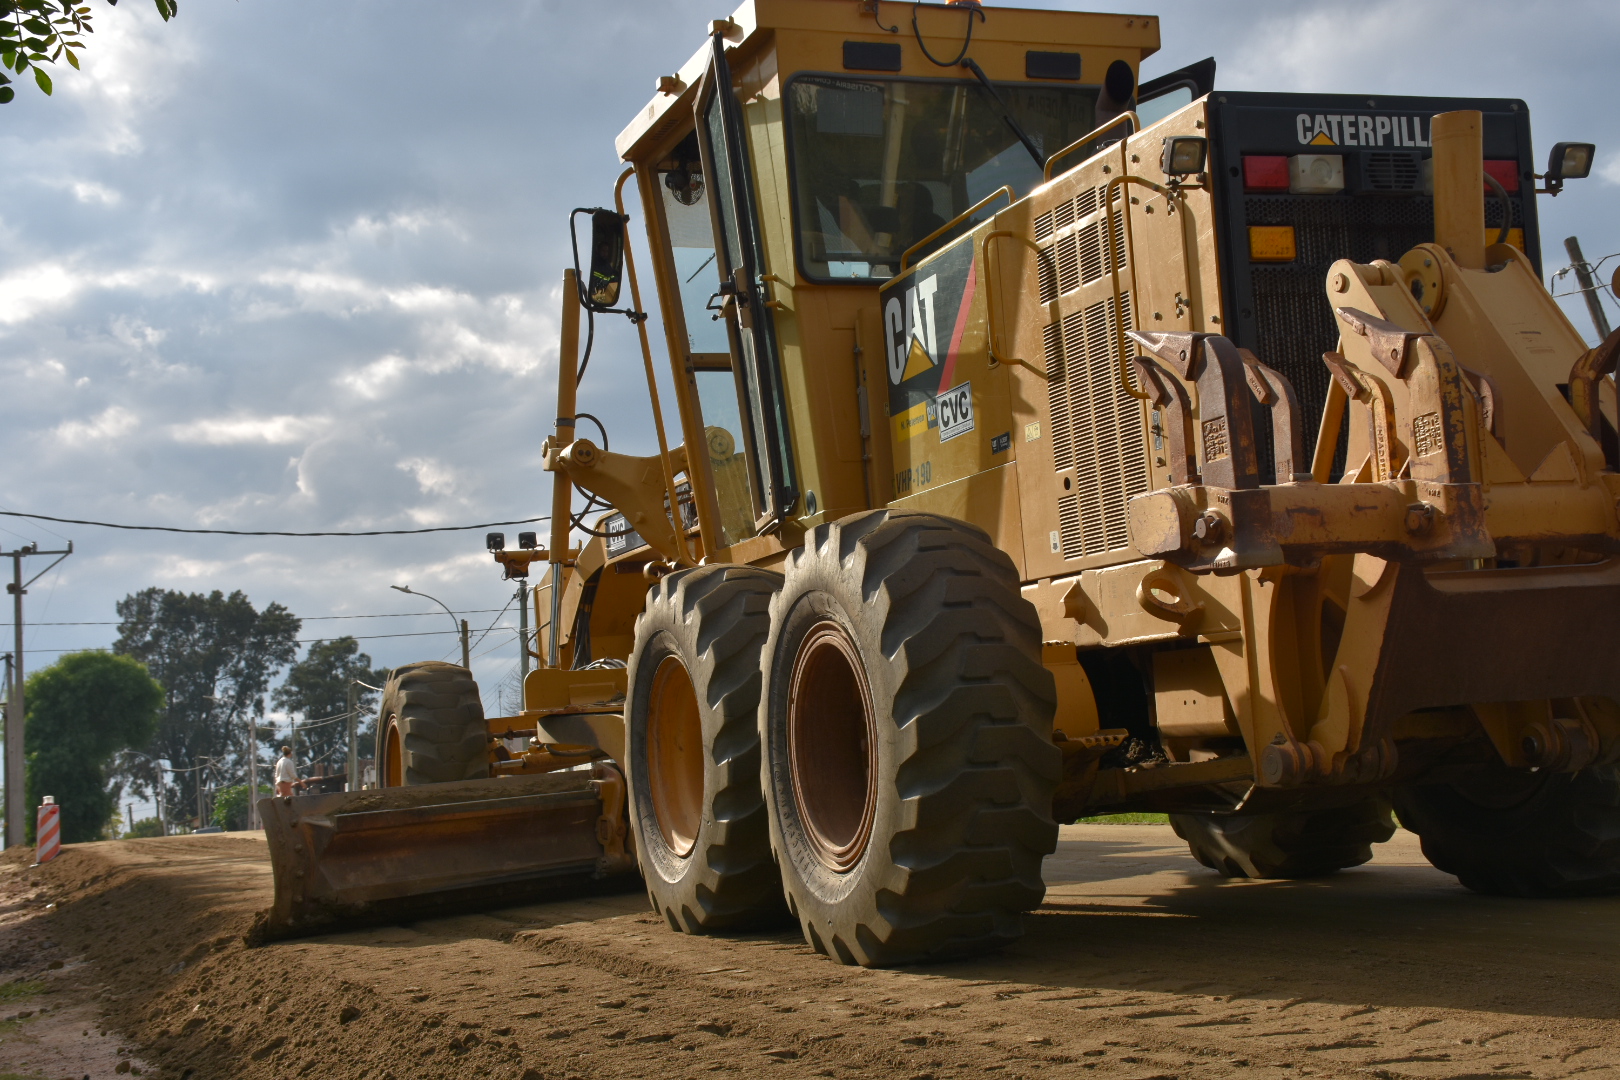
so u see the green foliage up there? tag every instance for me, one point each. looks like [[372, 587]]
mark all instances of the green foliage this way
[[145, 827], [1126, 819], [35, 32], [316, 690], [231, 806], [82, 710], [215, 655]]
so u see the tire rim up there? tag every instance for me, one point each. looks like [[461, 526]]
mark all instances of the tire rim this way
[[675, 756], [832, 741], [393, 758]]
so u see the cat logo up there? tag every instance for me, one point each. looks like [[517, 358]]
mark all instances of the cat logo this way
[[1328, 129], [909, 331]]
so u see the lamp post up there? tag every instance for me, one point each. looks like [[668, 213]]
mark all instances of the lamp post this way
[[460, 624]]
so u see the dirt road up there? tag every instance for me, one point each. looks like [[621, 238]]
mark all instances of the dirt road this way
[[1140, 965]]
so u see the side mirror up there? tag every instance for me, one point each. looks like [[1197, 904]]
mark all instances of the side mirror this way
[[599, 286]]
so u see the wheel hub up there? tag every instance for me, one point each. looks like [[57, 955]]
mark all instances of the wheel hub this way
[[675, 756], [831, 738]]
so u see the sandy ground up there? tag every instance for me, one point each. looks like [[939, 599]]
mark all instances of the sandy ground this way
[[1141, 965]]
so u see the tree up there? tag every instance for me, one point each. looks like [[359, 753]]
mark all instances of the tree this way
[[149, 826], [82, 710], [35, 32], [316, 692], [231, 806], [216, 655]]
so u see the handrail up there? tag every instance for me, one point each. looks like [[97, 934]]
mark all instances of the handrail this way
[[990, 299], [957, 220], [1136, 123], [652, 380], [1113, 263]]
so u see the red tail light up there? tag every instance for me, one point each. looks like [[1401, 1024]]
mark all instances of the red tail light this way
[[1265, 172], [1506, 173]]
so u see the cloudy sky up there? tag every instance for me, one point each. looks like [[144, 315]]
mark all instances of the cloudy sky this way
[[294, 265]]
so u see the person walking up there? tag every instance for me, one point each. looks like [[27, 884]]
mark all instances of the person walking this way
[[286, 773]]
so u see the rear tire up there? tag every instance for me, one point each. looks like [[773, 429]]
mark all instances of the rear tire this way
[[431, 727], [909, 761], [695, 801], [1300, 845], [1509, 832]]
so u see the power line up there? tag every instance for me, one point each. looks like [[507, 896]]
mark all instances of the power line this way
[[271, 532], [301, 618]]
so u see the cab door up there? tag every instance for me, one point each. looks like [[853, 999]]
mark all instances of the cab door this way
[[740, 298]]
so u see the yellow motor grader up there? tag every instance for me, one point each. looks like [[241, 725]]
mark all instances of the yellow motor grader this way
[[1049, 444]]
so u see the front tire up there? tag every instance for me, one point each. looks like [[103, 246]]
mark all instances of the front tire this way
[[1304, 844], [695, 801], [1510, 832], [907, 729], [431, 727]]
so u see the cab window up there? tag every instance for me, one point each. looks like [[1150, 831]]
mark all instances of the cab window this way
[[878, 164]]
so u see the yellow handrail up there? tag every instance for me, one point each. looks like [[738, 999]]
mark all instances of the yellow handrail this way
[[1084, 139], [1113, 263], [957, 220], [652, 381], [990, 298]]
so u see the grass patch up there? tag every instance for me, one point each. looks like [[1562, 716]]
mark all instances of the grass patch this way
[[1119, 819], [16, 991]]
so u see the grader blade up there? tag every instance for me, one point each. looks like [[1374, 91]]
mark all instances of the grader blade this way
[[399, 854]]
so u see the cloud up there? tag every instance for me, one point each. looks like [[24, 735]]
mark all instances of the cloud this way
[[88, 191], [247, 430], [35, 290], [433, 477], [111, 423]]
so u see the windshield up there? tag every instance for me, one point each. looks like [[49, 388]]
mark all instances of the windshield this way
[[881, 163]]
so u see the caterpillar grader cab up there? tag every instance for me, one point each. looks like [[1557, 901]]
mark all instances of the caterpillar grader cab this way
[[1043, 443]]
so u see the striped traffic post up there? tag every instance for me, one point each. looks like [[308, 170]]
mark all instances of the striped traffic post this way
[[49, 829]]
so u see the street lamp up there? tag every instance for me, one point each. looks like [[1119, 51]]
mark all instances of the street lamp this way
[[459, 624]]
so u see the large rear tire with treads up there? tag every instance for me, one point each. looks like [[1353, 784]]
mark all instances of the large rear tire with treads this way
[[693, 749], [431, 727], [907, 728], [1511, 832], [1304, 844]]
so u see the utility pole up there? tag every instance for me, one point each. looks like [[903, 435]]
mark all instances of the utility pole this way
[[253, 773], [355, 686], [466, 652], [354, 751], [1590, 289], [5, 713], [201, 819], [16, 709], [523, 635]]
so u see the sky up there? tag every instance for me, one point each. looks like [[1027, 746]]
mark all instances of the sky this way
[[295, 265]]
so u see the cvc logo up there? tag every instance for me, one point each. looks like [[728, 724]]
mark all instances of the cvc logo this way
[[1329, 129]]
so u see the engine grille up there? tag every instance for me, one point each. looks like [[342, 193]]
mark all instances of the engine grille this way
[[1097, 429]]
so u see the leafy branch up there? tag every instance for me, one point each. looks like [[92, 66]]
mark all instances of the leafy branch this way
[[38, 32]]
